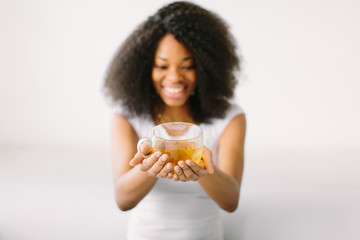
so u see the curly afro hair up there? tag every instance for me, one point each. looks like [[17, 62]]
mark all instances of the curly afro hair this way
[[204, 34]]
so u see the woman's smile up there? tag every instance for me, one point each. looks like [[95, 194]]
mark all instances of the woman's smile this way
[[174, 92]]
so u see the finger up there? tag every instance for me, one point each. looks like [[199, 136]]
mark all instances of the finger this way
[[136, 160], [196, 168], [170, 175], [158, 165], [188, 172], [145, 148], [179, 172], [166, 171], [207, 156], [175, 177], [161, 167], [147, 163]]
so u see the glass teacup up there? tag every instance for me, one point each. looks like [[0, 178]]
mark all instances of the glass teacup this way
[[180, 140]]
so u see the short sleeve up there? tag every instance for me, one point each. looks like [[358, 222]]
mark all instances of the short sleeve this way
[[219, 125], [141, 124], [119, 108]]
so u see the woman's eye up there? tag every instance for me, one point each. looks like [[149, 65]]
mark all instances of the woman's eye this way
[[161, 67], [189, 67]]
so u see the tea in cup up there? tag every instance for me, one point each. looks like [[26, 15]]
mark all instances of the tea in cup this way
[[180, 140]]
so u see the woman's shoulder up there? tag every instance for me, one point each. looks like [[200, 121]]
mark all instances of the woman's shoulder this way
[[141, 124], [233, 111], [217, 125]]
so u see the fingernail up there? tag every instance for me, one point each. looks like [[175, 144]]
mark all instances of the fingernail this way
[[188, 162], [158, 154], [182, 164], [169, 166], [164, 158]]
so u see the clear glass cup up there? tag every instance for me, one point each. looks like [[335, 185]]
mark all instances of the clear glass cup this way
[[180, 140]]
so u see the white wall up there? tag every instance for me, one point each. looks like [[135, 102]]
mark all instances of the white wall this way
[[299, 85]]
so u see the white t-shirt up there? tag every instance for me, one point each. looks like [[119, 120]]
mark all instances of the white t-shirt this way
[[178, 210]]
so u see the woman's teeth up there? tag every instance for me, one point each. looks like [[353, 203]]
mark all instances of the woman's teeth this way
[[174, 90]]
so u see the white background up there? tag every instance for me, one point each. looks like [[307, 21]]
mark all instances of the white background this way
[[299, 88]]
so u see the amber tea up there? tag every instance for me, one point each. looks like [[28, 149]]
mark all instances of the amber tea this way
[[178, 154], [181, 141]]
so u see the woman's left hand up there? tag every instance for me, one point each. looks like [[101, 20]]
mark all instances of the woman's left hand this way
[[191, 171]]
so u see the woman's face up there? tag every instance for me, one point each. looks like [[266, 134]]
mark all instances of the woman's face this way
[[173, 74]]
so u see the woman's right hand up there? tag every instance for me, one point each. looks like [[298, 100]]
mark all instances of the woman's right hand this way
[[155, 165]]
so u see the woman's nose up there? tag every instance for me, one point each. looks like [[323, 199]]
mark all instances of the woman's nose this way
[[174, 74]]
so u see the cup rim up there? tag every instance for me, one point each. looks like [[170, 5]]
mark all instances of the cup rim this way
[[184, 140]]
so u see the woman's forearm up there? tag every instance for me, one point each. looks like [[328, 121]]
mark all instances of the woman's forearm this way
[[131, 187], [222, 188]]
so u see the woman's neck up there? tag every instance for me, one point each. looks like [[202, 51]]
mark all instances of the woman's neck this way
[[174, 114]]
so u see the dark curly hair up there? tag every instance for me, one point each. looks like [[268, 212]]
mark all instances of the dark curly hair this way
[[204, 34]]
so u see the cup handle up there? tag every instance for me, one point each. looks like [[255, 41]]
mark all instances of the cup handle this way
[[140, 142]]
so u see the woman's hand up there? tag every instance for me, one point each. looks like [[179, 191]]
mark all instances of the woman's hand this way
[[155, 165], [191, 171]]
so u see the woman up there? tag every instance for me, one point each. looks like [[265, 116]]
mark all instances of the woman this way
[[177, 66]]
